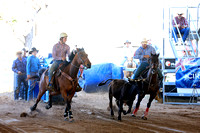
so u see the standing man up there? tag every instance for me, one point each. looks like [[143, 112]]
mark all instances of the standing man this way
[[24, 52], [143, 53], [128, 59], [19, 67], [182, 26], [59, 53], [33, 66]]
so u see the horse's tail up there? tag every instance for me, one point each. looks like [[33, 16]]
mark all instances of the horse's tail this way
[[104, 82]]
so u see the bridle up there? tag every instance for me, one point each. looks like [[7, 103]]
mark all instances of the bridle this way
[[85, 68], [153, 71]]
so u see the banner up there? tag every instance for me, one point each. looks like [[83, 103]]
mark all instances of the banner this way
[[188, 73]]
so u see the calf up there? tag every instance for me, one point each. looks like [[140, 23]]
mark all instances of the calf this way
[[123, 92]]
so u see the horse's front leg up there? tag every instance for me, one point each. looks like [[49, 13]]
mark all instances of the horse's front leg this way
[[68, 113], [152, 96], [40, 94], [49, 105], [140, 97]]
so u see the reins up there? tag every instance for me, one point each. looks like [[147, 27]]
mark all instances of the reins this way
[[69, 77], [81, 61]]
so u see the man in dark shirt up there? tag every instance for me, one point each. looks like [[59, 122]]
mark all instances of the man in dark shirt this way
[[24, 51], [19, 67], [181, 24]]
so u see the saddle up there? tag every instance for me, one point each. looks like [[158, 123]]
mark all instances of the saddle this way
[[60, 72]]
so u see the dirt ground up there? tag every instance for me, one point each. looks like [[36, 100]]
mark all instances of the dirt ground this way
[[91, 116]]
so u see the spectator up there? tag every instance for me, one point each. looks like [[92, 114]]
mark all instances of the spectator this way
[[24, 52], [19, 67], [182, 26], [33, 66]]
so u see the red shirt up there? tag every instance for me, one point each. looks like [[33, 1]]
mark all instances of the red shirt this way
[[182, 21]]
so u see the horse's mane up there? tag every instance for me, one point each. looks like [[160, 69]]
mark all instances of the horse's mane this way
[[72, 55], [154, 57], [74, 52]]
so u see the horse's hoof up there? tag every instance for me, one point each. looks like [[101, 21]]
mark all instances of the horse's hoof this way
[[119, 120], [133, 115], [71, 120], [33, 108], [66, 119], [48, 106], [144, 118], [112, 117]]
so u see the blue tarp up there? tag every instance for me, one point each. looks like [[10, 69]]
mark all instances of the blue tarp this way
[[188, 73], [98, 73]]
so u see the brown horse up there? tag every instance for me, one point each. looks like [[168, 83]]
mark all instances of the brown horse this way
[[66, 82], [150, 85]]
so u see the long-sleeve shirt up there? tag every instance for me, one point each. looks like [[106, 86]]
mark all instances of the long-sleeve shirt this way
[[182, 21], [140, 52], [60, 51], [19, 65], [33, 64]]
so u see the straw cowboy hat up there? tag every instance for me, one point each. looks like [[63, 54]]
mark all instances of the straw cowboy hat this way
[[127, 42], [144, 41], [32, 50]]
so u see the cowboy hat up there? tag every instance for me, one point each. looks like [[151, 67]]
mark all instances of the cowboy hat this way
[[25, 49], [180, 12], [144, 41], [32, 50], [127, 42]]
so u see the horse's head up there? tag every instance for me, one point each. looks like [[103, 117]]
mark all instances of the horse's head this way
[[154, 62], [83, 58]]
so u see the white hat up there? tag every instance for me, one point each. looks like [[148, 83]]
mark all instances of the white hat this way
[[63, 34]]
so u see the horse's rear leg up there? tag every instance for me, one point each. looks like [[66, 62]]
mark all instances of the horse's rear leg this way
[[140, 97], [152, 96], [40, 94]]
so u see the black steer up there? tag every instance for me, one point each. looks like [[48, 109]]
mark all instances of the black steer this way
[[123, 92]]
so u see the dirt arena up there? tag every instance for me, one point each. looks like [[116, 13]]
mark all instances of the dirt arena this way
[[91, 116]]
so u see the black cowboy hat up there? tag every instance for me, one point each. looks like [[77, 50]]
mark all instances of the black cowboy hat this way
[[24, 49], [32, 50]]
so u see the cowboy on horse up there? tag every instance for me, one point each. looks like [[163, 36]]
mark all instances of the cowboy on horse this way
[[143, 53], [59, 53]]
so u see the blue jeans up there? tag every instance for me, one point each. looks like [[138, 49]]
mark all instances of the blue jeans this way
[[21, 90], [184, 31], [53, 67], [142, 67], [32, 86]]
